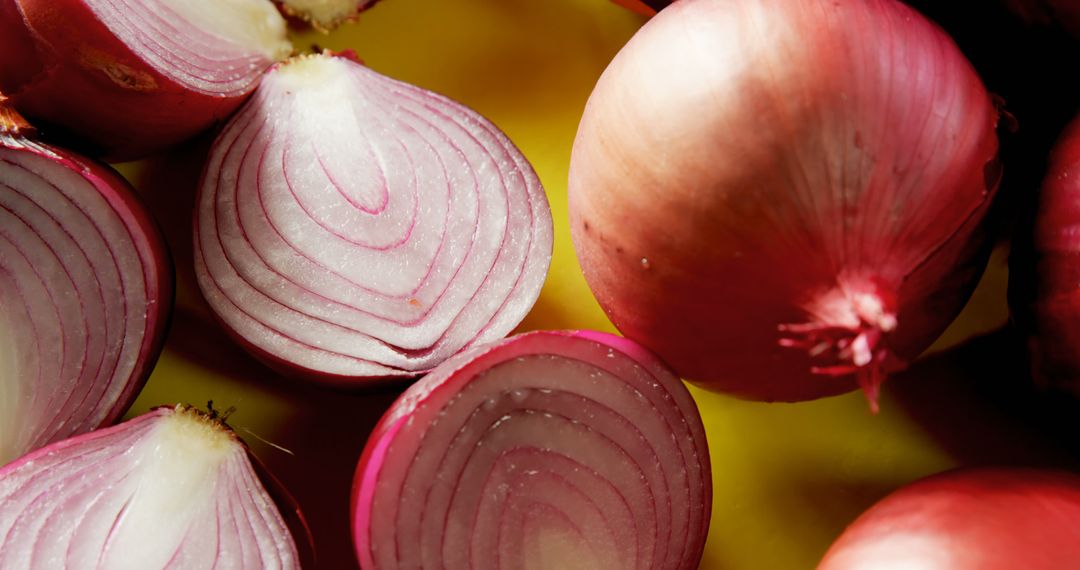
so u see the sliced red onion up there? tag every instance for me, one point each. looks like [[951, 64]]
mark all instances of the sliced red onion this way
[[85, 290], [546, 450], [325, 15], [173, 488], [350, 225], [133, 76]]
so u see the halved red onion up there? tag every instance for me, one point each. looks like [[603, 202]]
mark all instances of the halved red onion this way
[[131, 77], [353, 226], [173, 488], [325, 15], [85, 291], [545, 450]]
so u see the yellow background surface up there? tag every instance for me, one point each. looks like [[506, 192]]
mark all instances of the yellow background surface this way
[[787, 477]]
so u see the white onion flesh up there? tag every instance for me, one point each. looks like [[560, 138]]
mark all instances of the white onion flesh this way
[[173, 488], [325, 14], [546, 450], [350, 225], [85, 286]]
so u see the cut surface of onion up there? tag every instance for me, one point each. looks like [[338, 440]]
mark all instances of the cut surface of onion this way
[[135, 76], [173, 488], [568, 450], [793, 209], [85, 291], [1000, 518], [353, 226], [325, 14]]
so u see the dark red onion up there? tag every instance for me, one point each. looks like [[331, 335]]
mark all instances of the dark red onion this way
[[545, 450], [784, 198], [353, 226], [972, 519], [85, 291], [131, 77], [173, 488]]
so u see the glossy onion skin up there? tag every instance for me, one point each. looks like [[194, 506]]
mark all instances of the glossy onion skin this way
[[86, 287], [1043, 288], [746, 165], [536, 411], [61, 65], [971, 519], [147, 493], [353, 228]]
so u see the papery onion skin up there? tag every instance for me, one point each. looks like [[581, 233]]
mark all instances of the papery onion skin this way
[[78, 77], [784, 199], [1043, 291], [76, 362], [171, 488], [378, 231], [971, 519], [556, 380]]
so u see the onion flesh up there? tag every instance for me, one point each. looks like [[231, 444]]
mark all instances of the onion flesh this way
[[85, 293], [325, 15], [135, 77], [971, 519], [544, 450], [784, 199], [173, 488], [351, 226]]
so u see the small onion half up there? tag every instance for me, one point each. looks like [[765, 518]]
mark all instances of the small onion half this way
[[569, 450], [353, 226], [131, 77], [85, 293], [173, 488]]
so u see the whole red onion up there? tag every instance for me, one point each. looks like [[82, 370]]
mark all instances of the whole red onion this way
[[784, 198]]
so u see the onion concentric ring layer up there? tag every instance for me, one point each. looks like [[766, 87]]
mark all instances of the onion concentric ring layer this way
[[353, 226], [172, 488], [85, 288], [546, 450]]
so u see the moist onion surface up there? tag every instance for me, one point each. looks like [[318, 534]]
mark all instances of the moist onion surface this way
[[350, 225], [85, 289], [172, 488], [545, 450]]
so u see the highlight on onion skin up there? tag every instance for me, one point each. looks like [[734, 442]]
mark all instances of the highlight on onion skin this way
[[561, 450], [972, 519], [85, 292], [324, 15], [130, 78], [173, 488], [1043, 272], [351, 227], [784, 199]]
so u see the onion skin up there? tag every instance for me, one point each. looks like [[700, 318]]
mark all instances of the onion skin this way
[[399, 483], [172, 488], [643, 7], [352, 229], [82, 81], [784, 199], [62, 396], [973, 519], [1043, 287]]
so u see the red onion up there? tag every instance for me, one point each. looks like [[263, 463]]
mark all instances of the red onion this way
[[784, 197], [325, 15], [85, 291], [975, 519], [173, 488], [131, 77], [643, 7], [1043, 285], [545, 450], [353, 226]]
